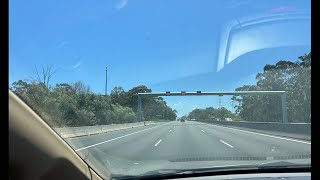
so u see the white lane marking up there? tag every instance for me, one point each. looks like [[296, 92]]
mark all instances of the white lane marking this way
[[202, 130], [226, 143], [119, 137], [277, 137], [158, 142], [170, 130]]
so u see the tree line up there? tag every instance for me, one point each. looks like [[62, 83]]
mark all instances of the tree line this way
[[152, 107], [210, 113], [73, 104], [289, 76]]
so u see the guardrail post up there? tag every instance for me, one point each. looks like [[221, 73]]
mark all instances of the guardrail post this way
[[284, 108]]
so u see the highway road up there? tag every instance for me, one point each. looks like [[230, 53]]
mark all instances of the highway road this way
[[190, 144]]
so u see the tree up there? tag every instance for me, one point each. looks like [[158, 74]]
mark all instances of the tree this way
[[118, 96], [170, 114], [79, 87], [131, 97], [292, 77], [72, 104], [305, 60], [45, 75], [64, 88], [210, 113], [19, 87]]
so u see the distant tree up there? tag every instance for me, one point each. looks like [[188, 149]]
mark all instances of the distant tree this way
[[44, 76], [19, 87], [79, 87], [118, 96], [210, 113]]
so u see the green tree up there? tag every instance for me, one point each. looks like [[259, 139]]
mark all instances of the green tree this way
[[118, 96], [210, 113], [292, 77], [73, 104], [131, 97]]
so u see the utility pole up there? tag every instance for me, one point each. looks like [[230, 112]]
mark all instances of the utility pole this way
[[106, 81], [106, 93]]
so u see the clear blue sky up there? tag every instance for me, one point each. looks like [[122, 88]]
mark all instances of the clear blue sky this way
[[168, 45]]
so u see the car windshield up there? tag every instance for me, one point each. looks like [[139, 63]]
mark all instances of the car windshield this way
[[146, 87]]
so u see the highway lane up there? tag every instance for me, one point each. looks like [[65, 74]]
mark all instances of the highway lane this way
[[84, 141], [258, 144], [188, 144]]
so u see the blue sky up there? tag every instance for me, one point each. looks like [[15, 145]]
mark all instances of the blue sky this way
[[168, 45]]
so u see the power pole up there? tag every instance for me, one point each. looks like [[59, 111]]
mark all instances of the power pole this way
[[106, 81]]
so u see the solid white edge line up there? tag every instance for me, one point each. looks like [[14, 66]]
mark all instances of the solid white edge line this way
[[226, 143], [276, 137], [118, 137], [158, 142]]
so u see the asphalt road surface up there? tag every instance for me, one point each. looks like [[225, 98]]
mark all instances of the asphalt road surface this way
[[189, 144]]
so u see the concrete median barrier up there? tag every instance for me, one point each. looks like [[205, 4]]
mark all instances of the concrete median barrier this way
[[68, 132]]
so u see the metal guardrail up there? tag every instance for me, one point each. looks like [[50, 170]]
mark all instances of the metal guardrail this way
[[68, 132]]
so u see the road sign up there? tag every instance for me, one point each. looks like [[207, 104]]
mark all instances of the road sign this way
[[183, 93], [167, 93]]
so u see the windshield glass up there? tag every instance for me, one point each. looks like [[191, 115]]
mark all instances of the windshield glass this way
[[138, 87]]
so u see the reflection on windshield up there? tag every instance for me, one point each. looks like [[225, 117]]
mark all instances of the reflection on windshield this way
[[257, 32]]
